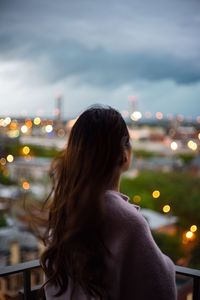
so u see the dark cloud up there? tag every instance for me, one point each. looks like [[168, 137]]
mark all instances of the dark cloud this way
[[104, 44], [102, 67], [99, 66], [31, 29]]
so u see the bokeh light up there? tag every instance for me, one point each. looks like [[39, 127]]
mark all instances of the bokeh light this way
[[26, 150], [3, 161], [137, 198], [192, 145], [193, 228], [37, 121], [166, 208], [26, 185], [136, 116], [156, 194], [174, 146], [189, 235], [24, 129], [49, 128], [10, 158]]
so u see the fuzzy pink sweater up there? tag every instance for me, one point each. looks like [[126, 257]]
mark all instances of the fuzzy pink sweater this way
[[139, 271]]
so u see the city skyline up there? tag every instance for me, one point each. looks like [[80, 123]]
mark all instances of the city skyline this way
[[91, 52]]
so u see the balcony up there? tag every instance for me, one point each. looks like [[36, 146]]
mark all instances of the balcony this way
[[30, 290]]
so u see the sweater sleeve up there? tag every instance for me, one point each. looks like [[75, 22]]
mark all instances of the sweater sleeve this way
[[146, 273]]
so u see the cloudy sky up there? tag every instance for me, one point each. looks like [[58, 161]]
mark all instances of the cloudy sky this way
[[92, 51]]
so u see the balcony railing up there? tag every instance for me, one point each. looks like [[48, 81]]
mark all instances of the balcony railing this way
[[28, 291]]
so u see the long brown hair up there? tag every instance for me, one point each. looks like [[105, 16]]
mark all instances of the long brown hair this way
[[86, 169]]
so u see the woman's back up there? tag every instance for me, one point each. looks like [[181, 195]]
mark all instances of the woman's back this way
[[136, 268]]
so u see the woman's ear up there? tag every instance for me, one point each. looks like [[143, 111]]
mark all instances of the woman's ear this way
[[126, 159]]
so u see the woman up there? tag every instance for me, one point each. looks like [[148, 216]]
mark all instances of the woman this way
[[98, 245]]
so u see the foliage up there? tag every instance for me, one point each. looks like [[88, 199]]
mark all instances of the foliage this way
[[3, 221], [179, 190], [10, 147], [41, 151], [195, 260], [169, 244], [15, 148], [5, 180], [186, 157], [145, 153]]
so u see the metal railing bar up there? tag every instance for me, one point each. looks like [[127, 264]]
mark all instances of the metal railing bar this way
[[196, 288], [9, 270], [26, 268], [27, 284], [193, 273]]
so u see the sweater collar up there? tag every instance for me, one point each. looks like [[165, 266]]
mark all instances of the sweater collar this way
[[124, 197]]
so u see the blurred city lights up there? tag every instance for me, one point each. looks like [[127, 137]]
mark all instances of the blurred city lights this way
[[26, 150], [10, 158], [49, 128], [7, 120], [192, 145], [37, 121], [136, 115], [174, 146], [3, 161], [166, 208], [137, 198], [24, 129], [159, 115], [193, 228], [189, 235], [199, 136], [61, 132], [3, 123], [13, 125], [26, 185], [29, 123], [156, 194], [13, 133]]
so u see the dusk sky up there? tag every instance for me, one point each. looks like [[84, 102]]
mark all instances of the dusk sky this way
[[99, 52]]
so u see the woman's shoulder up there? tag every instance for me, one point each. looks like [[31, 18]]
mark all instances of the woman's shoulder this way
[[121, 211]]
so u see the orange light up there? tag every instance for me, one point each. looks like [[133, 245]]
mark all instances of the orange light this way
[[3, 161], [159, 115], [26, 185], [26, 150], [13, 126], [29, 123]]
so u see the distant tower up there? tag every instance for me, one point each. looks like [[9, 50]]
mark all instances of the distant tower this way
[[133, 103], [58, 110]]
